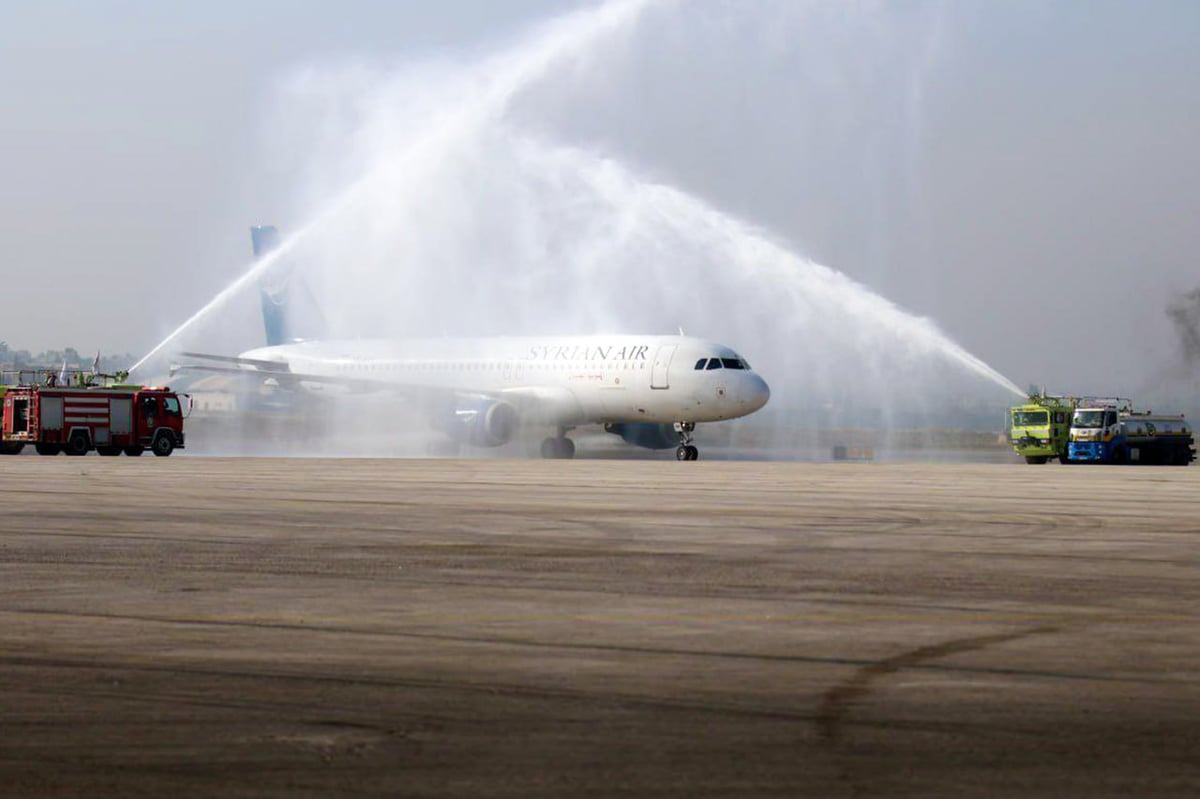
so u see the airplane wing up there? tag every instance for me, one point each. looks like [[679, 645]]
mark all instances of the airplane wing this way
[[260, 365], [277, 371], [543, 403]]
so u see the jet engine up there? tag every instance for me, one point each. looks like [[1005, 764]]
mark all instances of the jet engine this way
[[485, 422]]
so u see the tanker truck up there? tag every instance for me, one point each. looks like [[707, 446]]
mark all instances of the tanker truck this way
[[1115, 433]]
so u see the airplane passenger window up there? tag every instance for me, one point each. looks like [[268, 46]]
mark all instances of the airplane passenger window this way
[[701, 363], [714, 363], [731, 363]]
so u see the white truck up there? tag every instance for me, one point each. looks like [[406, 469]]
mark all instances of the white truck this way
[[1115, 433]]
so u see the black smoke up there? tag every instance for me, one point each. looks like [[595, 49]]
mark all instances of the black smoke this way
[[1185, 315]]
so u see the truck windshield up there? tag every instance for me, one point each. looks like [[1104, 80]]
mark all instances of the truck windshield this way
[[1030, 418], [1088, 419]]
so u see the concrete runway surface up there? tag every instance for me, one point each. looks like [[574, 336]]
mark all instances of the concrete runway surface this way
[[207, 627]]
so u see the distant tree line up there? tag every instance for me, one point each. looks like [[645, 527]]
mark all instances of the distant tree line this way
[[11, 360]]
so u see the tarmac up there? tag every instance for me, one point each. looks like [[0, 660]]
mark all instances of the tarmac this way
[[289, 627]]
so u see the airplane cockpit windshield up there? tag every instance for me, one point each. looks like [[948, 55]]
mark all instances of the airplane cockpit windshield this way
[[721, 363]]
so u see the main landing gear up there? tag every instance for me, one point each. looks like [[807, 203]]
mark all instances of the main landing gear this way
[[686, 451], [559, 447]]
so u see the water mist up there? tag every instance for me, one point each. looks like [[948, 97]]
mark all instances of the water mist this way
[[468, 220]]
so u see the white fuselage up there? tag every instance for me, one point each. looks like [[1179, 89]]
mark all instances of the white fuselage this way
[[564, 380]]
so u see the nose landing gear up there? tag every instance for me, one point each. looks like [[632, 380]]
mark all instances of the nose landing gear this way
[[686, 451]]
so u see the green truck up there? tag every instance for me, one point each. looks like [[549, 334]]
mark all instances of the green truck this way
[[1040, 429]]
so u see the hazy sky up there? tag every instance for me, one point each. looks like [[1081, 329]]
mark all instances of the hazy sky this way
[[1024, 173]]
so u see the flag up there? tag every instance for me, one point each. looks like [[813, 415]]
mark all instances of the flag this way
[[96, 363], [62, 373]]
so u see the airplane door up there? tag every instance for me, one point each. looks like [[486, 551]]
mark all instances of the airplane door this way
[[662, 362]]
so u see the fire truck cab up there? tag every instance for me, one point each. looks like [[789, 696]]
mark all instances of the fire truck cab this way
[[110, 420]]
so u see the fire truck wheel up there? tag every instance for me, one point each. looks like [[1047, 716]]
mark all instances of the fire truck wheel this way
[[134, 452], [163, 445], [47, 449], [108, 452], [11, 449], [77, 445]]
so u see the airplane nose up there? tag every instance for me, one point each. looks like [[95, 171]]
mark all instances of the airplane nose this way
[[756, 392]]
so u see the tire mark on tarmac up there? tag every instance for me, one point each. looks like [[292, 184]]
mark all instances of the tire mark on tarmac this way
[[470, 549], [442, 580], [838, 700], [303, 705], [868, 668]]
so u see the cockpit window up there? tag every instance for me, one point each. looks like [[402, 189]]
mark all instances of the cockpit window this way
[[714, 363], [731, 363], [700, 363]]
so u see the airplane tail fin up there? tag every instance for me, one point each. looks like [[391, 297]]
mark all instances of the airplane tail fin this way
[[290, 310], [273, 288], [264, 238]]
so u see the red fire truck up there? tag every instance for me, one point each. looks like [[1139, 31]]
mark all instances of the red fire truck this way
[[74, 420]]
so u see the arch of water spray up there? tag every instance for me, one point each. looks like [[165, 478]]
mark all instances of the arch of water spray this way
[[469, 223]]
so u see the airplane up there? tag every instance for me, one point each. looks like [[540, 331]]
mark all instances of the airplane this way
[[650, 390]]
